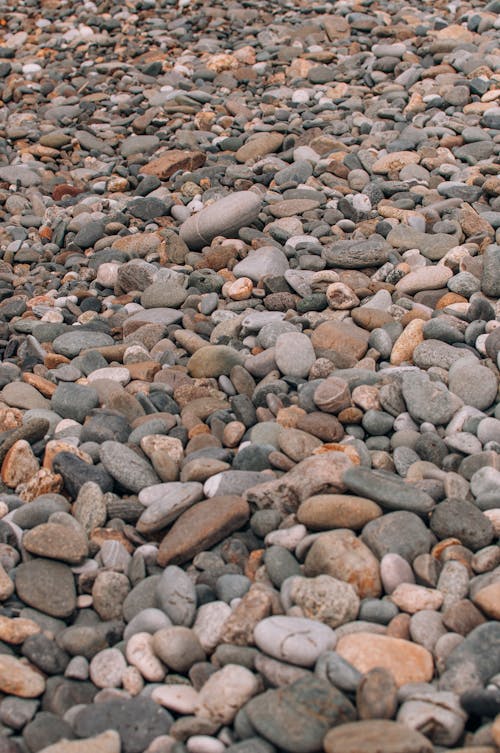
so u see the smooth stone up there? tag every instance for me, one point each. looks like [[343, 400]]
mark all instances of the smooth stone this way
[[399, 532], [458, 518], [375, 736], [266, 260], [225, 692], [74, 401], [224, 217], [296, 717], [407, 662], [342, 555], [107, 742], [47, 586], [70, 344], [201, 526], [283, 638], [427, 400], [127, 467], [326, 511], [357, 254], [213, 361], [473, 661], [57, 541], [176, 595], [294, 354], [178, 647], [165, 502], [463, 378], [387, 490], [138, 721]]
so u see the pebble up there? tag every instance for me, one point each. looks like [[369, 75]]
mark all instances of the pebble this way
[[249, 353]]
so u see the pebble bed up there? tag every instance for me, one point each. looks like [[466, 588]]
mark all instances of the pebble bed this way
[[249, 337]]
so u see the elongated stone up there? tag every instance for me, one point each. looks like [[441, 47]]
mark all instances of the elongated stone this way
[[224, 217]]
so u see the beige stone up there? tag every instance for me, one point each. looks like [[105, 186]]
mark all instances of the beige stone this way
[[406, 661], [342, 555], [403, 348], [19, 679], [412, 598], [327, 511]]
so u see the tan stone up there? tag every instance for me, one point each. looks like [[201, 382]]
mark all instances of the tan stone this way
[[107, 742], [175, 159], [259, 145], [57, 541], [315, 475], [341, 297], [6, 585], [406, 661], [46, 387], [43, 482], [10, 418], [327, 511], [342, 555], [332, 395], [488, 600], [394, 162], [376, 736], [170, 446], [144, 370], [370, 318], [201, 526], [240, 289], [424, 278], [412, 598], [255, 605], [19, 465], [55, 446], [19, 679], [403, 348], [346, 339], [16, 629]]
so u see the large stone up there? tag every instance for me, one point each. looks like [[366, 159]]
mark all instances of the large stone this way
[[199, 528], [297, 640], [375, 736], [342, 555], [225, 217], [171, 161], [18, 679], [107, 742], [213, 361], [47, 586], [316, 475], [406, 661], [389, 490], [259, 262], [296, 718], [344, 338]]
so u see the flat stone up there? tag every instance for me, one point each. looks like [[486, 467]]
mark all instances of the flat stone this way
[[168, 163], [18, 679], [376, 736], [201, 526], [391, 492], [225, 217], [327, 511], [427, 400], [406, 661], [107, 742], [259, 262], [296, 718], [57, 541], [297, 640], [213, 361], [125, 465], [70, 344], [47, 586], [357, 254]]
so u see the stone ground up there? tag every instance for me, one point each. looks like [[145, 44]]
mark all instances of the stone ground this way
[[249, 337]]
